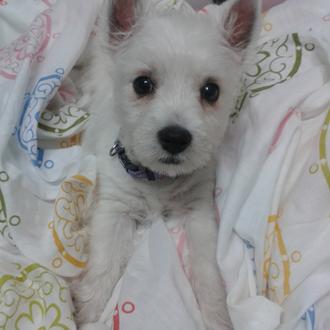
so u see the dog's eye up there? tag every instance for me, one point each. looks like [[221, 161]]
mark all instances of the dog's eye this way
[[210, 92], [143, 86]]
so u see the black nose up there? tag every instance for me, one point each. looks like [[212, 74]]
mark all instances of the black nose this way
[[174, 139]]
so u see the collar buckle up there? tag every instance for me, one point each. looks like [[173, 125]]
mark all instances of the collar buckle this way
[[132, 169], [116, 149]]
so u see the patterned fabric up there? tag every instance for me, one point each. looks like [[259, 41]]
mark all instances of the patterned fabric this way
[[41, 195], [275, 179], [272, 194]]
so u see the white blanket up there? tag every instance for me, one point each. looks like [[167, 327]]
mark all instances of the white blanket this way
[[41, 41], [272, 195], [274, 178]]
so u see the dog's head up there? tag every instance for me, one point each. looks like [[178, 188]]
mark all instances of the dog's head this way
[[175, 75]]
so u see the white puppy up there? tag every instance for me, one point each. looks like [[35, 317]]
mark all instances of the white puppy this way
[[164, 82]]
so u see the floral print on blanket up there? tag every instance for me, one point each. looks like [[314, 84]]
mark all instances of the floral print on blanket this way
[[42, 196], [28, 47], [34, 102], [281, 256], [278, 60], [31, 300], [66, 227]]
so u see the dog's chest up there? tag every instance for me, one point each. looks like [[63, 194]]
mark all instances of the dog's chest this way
[[143, 201], [167, 201]]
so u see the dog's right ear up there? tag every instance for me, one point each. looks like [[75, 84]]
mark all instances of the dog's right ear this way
[[123, 16]]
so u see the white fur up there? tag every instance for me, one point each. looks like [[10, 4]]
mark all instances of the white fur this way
[[180, 51]]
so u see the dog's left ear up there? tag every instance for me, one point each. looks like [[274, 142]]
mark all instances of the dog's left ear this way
[[240, 24]]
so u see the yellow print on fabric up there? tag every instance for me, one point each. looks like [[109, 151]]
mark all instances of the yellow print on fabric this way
[[66, 226], [277, 262]]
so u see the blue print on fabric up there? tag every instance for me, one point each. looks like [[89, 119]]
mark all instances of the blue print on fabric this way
[[309, 317], [34, 103], [251, 252]]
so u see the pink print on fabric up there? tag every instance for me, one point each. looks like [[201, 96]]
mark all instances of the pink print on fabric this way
[[115, 319], [49, 3], [280, 129], [29, 46], [203, 11], [180, 238], [3, 2], [127, 308], [217, 215], [326, 18]]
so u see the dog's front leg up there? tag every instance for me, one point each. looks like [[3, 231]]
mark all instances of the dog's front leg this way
[[202, 232], [111, 239]]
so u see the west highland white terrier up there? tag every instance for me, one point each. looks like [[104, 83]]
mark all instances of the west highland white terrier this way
[[163, 83]]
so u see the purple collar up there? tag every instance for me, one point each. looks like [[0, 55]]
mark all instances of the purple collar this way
[[135, 171]]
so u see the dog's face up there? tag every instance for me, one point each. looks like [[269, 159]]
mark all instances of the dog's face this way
[[174, 79]]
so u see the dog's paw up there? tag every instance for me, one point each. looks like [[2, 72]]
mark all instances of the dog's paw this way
[[83, 296], [211, 297], [215, 318], [90, 296]]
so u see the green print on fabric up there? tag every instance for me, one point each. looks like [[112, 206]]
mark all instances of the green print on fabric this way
[[24, 301], [323, 149], [63, 120], [3, 212], [277, 61], [4, 220], [40, 318]]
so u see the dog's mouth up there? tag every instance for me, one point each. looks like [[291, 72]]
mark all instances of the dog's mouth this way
[[170, 160]]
